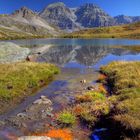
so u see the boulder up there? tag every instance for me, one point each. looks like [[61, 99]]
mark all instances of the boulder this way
[[11, 52]]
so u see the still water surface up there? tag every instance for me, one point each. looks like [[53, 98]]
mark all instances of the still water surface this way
[[83, 53]]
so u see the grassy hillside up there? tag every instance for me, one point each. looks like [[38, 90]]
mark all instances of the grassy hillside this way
[[122, 31], [8, 34]]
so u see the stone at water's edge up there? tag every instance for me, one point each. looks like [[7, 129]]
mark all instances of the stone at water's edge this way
[[35, 138], [10, 52]]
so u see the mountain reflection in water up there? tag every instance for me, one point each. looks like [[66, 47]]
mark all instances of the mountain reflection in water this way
[[86, 56]]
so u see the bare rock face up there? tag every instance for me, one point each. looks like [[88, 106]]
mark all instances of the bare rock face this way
[[90, 15], [10, 52], [59, 15], [86, 16], [24, 12]]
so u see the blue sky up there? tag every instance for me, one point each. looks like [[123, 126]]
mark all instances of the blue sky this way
[[112, 7]]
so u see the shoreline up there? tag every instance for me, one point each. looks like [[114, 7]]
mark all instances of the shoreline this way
[[18, 90], [59, 37]]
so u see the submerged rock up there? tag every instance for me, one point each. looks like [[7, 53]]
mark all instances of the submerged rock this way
[[10, 52], [38, 101], [91, 88], [22, 115], [43, 100]]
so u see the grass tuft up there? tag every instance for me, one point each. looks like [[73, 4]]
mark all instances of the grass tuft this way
[[67, 117]]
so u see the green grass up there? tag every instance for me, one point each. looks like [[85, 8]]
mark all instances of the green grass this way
[[90, 96], [123, 107], [89, 107], [122, 75], [18, 80], [124, 79], [121, 31], [67, 118]]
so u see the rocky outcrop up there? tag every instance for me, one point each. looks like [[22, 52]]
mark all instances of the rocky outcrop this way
[[10, 52]]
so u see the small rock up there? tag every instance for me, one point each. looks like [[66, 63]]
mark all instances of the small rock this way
[[38, 101], [34, 138], [2, 123], [83, 81], [42, 111], [47, 102], [22, 115], [24, 125], [90, 88], [38, 52], [43, 97], [31, 58], [49, 109], [50, 114]]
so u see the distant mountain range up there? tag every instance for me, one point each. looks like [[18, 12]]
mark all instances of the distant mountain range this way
[[57, 17]]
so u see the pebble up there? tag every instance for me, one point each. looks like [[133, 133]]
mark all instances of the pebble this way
[[43, 100], [2, 123], [43, 97], [38, 101], [24, 125], [83, 81], [34, 138], [22, 115], [50, 114], [90, 88]]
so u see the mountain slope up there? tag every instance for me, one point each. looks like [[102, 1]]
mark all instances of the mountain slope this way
[[59, 15], [27, 22], [86, 16], [122, 31]]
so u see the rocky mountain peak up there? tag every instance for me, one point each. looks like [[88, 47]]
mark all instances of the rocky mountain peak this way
[[57, 4], [122, 19], [90, 15], [24, 12], [59, 15]]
